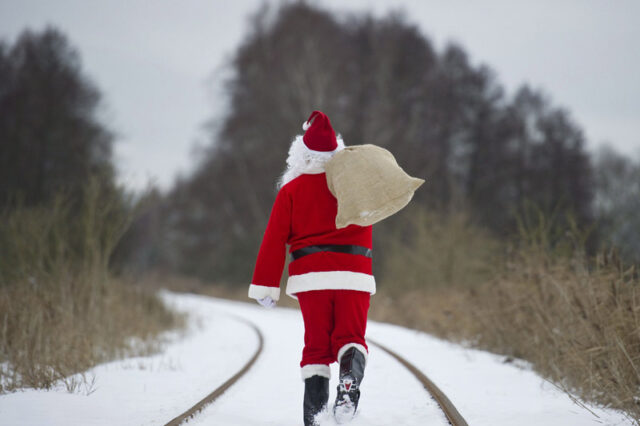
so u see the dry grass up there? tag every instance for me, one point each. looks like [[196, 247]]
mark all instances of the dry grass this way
[[576, 320], [61, 311], [578, 324], [52, 331], [580, 329], [429, 250]]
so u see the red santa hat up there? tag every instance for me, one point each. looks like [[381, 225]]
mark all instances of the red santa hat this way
[[319, 135]]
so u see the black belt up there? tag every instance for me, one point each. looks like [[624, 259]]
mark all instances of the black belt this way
[[349, 249]]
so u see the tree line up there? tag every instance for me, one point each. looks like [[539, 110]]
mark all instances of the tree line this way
[[59, 201], [382, 82], [379, 79], [51, 137]]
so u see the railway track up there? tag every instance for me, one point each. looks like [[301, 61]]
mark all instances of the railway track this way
[[226, 385], [445, 404], [450, 411]]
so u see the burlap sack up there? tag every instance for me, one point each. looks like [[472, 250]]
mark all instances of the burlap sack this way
[[369, 185]]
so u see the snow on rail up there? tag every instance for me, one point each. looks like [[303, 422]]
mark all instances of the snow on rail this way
[[226, 385], [446, 405]]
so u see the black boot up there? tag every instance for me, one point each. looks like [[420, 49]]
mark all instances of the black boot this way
[[352, 365], [316, 397]]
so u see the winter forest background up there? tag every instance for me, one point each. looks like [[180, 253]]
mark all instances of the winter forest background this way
[[380, 81], [509, 181], [491, 155]]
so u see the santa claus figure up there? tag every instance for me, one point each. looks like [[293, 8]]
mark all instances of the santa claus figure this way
[[330, 272]]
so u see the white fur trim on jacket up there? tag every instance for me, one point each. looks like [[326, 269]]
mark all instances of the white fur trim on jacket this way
[[330, 280], [311, 370], [262, 291], [358, 346]]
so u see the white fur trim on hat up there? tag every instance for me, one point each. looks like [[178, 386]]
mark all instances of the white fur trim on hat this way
[[306, 125], [330, 280], [262, 291], [311, 370], [358, 346], [302, 160]]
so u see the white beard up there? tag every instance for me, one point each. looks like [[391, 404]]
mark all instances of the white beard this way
[[302, 160]]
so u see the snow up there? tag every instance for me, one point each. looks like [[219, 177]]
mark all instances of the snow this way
[[153, 390]]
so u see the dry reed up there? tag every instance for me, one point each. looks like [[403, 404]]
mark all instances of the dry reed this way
[[575, 319], [61, 311]]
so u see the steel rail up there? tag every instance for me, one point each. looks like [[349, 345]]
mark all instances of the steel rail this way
[[445, 404], [226, 385]]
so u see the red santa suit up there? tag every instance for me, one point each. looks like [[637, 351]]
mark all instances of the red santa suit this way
[[330, 273]]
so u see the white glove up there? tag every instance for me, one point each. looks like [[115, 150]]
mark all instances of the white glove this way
[[267, 302]]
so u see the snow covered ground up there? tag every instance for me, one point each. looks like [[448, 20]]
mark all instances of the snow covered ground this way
[[153, 390]]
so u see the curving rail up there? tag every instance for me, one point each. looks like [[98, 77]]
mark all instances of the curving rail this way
[[450, 411], [226, 385], [445, 404]]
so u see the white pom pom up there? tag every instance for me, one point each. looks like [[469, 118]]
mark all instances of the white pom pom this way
[[306, 125]]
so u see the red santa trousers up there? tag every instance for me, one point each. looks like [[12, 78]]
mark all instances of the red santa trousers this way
[[332, 319]]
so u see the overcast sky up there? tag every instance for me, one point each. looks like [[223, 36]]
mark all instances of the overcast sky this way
[[158, 63]]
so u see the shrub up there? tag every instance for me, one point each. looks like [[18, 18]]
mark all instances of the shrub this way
[[61, 311]]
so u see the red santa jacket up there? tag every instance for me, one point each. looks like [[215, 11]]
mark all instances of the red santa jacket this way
[[304, 215]]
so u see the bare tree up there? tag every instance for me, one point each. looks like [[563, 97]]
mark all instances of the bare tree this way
[[50, 137], [381, 82], [617, 201]]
